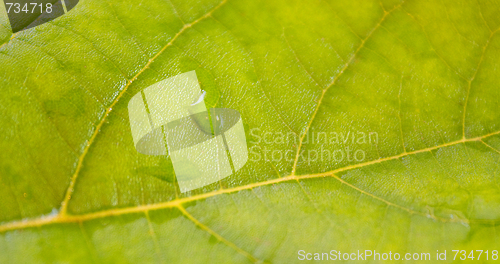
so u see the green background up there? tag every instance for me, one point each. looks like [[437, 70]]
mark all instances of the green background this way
[[423, 75]]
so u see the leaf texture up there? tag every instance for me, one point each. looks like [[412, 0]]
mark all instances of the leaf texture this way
[[420, 75]]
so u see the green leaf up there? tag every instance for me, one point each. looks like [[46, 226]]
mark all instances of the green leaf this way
[[406, 91]]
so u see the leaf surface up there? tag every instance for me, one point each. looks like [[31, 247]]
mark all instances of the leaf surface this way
[[419, 79]]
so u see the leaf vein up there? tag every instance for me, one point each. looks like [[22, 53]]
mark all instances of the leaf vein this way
[[386, 14], [215, 234], [36, 222], [69, 191]]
